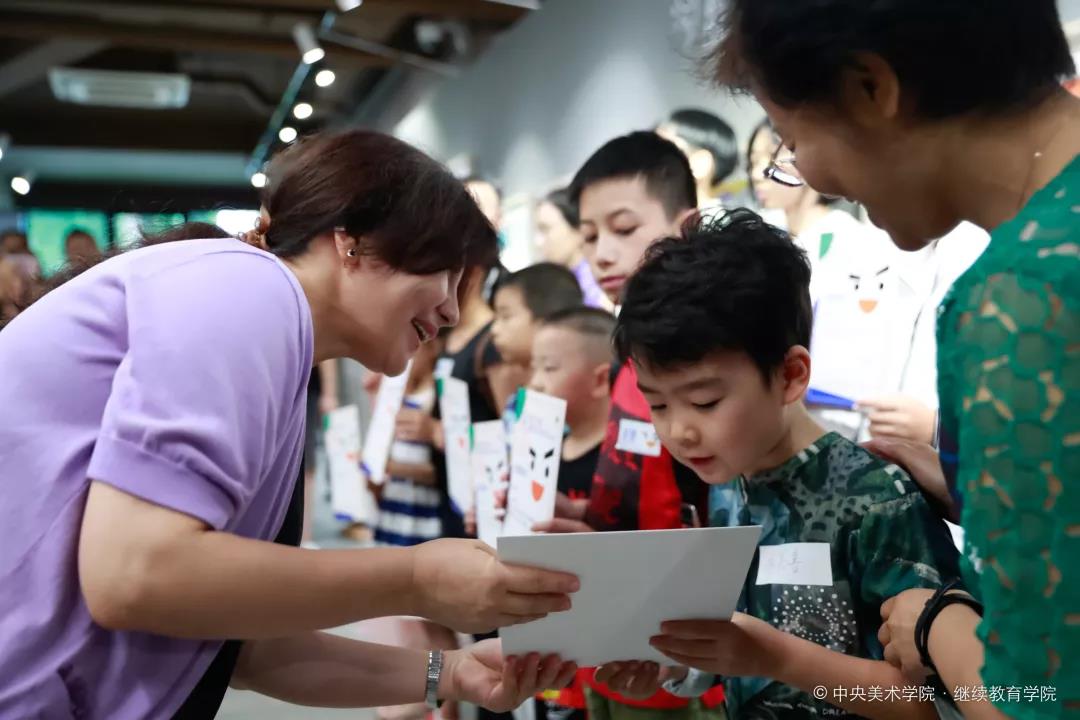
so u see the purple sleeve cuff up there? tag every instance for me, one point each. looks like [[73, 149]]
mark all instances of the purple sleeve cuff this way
[[139, 472]]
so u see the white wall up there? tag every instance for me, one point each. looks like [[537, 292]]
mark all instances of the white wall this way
[[562, 82]]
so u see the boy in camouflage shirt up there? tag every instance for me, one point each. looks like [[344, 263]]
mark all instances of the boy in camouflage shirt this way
[[718, 325]]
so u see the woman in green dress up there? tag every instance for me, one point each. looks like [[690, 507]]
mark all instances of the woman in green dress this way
[[930, 112]]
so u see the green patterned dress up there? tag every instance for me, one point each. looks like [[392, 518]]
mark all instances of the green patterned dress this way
[[1009, 382]]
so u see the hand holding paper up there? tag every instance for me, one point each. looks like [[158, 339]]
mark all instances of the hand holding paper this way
[[462, 585], [742, 647], [481, 675], [691, 574], [637, 680]]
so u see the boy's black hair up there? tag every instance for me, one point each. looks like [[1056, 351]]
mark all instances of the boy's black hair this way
[[952, 57], [546, 288], [709, 132], [643, 154], [565, 205], [731, 283]]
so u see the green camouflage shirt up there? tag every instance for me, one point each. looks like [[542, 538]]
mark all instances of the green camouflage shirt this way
[[876, 531]]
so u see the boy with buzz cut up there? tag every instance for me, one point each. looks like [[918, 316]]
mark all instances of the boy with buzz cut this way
[[718, 324], [630, 193], [571, 360]]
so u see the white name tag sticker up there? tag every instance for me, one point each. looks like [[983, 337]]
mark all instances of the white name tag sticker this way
[[795, 564], [639, 438]]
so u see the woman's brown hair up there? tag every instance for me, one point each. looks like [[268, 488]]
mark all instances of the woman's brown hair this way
[[409, 210]]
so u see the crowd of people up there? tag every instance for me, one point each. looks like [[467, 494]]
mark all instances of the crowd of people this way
[[864, 386]]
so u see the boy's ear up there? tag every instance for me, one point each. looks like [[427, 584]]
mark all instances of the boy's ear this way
[[601, 381], [795, 374]]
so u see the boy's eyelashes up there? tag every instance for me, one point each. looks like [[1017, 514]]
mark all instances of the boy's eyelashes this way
[[625, 232], [698, 406]]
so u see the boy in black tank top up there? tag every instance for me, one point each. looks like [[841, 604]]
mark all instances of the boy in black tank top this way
[[571, 359]]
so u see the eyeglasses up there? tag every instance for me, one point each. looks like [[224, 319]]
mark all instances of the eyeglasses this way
[[782, 168]]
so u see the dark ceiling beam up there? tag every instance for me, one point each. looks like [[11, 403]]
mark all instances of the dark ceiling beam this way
[[464, 9], [32, 65], [30, 26], [487, 10], [132, 130]]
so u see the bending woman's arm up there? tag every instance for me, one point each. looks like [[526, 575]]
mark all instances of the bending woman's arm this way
[[323, 670], [145, 568]]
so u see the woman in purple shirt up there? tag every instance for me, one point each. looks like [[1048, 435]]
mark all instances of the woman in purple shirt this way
[[151, 428]]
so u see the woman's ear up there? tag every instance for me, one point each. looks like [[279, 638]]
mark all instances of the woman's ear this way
[[870, 91], [347, 247], [795, 374]]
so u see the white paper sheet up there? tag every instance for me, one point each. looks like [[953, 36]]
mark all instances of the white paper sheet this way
[[381, 430], [535, 454], [456, 420], [349, 495], [630, 583], [853, 335], [491, 476]]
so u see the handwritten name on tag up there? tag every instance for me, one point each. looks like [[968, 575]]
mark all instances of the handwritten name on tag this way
[[795, 564], [638, 437]]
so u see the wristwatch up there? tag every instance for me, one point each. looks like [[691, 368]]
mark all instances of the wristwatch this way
[[434, 673]]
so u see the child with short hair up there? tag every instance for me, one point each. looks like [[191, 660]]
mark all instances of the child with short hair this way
[[571, 360], [633, 191], [522, 301], [717, 323]]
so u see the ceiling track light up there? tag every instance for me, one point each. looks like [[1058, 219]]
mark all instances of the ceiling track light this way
[[310, 50], [21, 184]]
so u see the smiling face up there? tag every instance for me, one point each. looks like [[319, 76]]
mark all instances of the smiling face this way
[[391, 313], [718, 416], [620, 219]]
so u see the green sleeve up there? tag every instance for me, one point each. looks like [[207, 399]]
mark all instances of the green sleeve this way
[[1019, 440], [901, 544]]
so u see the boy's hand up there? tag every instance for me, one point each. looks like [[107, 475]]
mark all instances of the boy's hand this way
[[570, 509], [744, 646], [562, 525], [637, 680], [414, 425]]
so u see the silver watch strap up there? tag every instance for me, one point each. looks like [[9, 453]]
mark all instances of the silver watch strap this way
[[434, 673]]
